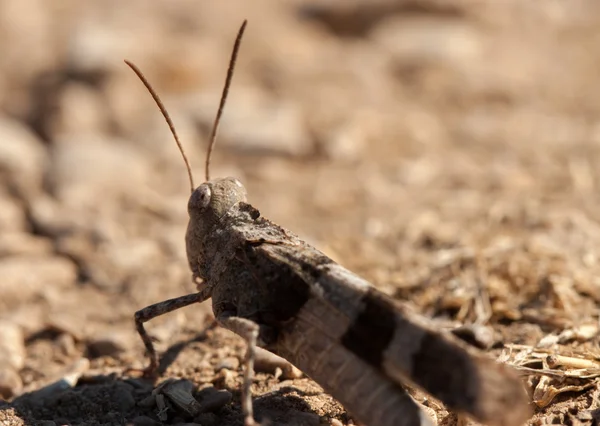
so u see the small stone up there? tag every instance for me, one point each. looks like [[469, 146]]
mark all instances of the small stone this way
[[21, 243], [225, 378], [257, 123], [66, 344], [85, 166], [180, 393], [230, 363], [81, 111], [10, 382], [22, 155], [27, 277], [144, 421], [48, 216], [30, 318], [418, 41], [12, 219], [346, 142], [12, 345], [62, 323], [212, 399]]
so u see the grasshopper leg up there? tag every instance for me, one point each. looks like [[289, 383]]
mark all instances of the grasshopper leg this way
[[156, 310], [248, 330]]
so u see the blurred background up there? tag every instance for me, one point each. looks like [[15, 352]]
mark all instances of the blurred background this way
[[445, 150]]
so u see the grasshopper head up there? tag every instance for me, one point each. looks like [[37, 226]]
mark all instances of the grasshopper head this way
[[213, 199], [206, 207]]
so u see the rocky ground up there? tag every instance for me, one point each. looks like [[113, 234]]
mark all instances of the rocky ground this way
[[444, 150]]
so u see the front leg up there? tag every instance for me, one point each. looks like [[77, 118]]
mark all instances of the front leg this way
[[157, 310], [248, 330]]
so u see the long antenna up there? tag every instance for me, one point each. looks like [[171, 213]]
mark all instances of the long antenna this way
[[165, 114], [213, 136]]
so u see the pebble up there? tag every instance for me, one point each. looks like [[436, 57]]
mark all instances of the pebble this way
[[212, 399], [225, 378], [10, 382], [427, 40], [23, 155], [28, 277], [30, 318], [62, 322], [12, 346], [257, 124], [84, 166], [29, 22], [230, 363], [12, 218], [180, 393], [21, 243], [133, 254], [81, 111], [48, 216]]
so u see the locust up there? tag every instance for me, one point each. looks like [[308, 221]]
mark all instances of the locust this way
[[280, 293]]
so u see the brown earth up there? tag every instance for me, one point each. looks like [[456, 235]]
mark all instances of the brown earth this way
[[443, 150]]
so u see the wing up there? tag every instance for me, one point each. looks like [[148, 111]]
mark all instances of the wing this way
[[301, 326], [340, 330]]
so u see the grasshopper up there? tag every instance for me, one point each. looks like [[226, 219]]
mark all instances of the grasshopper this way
[[280, 293]]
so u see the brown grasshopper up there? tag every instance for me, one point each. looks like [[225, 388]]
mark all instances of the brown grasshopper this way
[[278, 292]]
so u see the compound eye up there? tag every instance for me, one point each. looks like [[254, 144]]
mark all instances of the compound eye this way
[[200, 198]]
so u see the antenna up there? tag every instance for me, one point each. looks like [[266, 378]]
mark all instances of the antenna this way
[[215, 128], [165, 114]]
